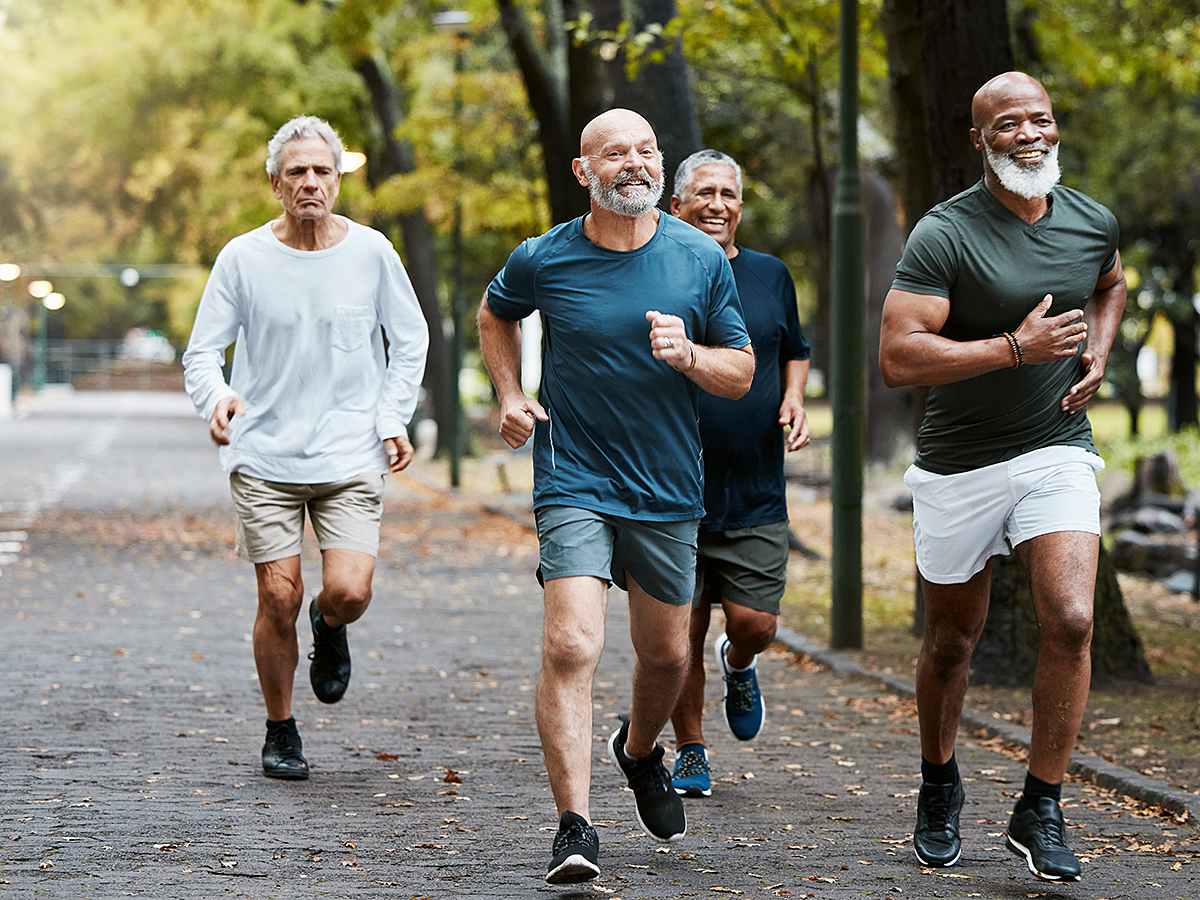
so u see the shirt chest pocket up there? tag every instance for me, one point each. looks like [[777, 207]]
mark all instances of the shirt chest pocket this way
[[352, 326]]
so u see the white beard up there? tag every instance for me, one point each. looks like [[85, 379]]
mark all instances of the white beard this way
[[609, 196], [1027, 181]]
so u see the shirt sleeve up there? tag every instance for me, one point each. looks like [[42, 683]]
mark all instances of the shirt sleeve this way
[[218, 320], [726, 325], [929, 264], [794, 346], [512, 295], [408, 343]]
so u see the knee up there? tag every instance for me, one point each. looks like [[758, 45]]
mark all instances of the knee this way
[[1069, 630], [571, 651], [948, 646], [349, 601], [752, 631], [667, 659], [279, 608]]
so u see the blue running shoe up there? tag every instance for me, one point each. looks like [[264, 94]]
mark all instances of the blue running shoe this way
[[744, 709], [691, 777]]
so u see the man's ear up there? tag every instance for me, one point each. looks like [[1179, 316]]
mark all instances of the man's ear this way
[[577, 168]]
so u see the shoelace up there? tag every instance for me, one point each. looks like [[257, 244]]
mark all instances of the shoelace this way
[[691, 764], [742, 690], [937, 813], [575, 833], [648, 773]]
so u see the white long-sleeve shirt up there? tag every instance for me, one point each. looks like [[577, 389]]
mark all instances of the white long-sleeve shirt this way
[[309, 362]]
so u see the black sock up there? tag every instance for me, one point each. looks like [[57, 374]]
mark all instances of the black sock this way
[[1035, 788], [939, 773], [289, 723]]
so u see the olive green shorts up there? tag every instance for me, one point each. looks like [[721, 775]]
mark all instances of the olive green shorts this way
[[746, 566]]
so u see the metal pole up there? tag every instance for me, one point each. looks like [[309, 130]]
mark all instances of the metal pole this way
[[847, 390], [456, 299], [39, 351]]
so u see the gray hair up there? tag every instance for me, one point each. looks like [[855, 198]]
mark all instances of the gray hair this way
[[686, 171], [297, 129]]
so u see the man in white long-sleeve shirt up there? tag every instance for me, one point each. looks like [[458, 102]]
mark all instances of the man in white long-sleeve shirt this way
[[314, 415]]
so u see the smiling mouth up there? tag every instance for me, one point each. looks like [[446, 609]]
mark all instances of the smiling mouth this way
[[714, 223], [1030, 155]]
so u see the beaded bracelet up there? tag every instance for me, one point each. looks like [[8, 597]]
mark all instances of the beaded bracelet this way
[[1015, 346]]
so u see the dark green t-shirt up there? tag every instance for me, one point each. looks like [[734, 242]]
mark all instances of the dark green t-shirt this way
[[994, 268]]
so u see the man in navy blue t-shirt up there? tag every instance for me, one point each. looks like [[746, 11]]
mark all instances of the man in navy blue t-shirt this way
[[742, 548], [640, 314]]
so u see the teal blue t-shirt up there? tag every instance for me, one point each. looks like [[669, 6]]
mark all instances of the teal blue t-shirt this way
[[623, 437], [994, 268]]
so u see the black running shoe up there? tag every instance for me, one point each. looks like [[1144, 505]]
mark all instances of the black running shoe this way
[[329, 672], [1038, 834], [282, 756], [936, 839], [659, 808], [576, 850]]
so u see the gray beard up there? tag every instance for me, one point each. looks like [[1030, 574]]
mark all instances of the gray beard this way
[[1028, 182], [609, 197]]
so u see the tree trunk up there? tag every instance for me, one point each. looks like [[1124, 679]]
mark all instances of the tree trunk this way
[[963, 43], [662, 91], [889, 414], [1182, 409], [395, 158], [1007, 651]]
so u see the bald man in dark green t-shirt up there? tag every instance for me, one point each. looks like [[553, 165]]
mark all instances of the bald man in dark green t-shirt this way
[[1005, 303]]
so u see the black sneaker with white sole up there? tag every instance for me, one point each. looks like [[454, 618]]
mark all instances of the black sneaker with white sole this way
[[935, 838], [659, 808], [575, 852], [1038, 835]]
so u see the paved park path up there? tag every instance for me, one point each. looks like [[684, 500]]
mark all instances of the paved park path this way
[[131, 722]]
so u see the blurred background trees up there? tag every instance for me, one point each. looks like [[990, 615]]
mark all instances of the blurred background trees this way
[[135, 135]]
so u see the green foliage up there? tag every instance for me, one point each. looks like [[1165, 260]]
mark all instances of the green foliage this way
[[1123, 453], [766, 80]]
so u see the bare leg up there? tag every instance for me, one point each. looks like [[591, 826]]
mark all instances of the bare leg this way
[[660, 642], [572, 639], [1062, 574], [346, 585], [689, 711], [750, 632], [954, 618], [280, 592]]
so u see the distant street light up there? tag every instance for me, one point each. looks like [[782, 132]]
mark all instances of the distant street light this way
[[130, 277], [54, 300], [40, 289], [352, 161], [9, 271]]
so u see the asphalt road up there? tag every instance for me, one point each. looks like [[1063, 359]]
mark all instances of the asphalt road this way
[[131, 722]]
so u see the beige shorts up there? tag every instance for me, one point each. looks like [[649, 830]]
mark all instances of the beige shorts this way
[[345, 515]]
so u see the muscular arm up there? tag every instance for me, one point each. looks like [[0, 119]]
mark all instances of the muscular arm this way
[[911, 351], [500, 343], [1103, 316]]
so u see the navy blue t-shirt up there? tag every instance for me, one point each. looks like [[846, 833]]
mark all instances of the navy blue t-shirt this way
[[623, 437], [743, 440]]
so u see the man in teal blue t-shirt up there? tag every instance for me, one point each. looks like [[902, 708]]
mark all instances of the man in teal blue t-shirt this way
[[1005, 303], [640, 313]]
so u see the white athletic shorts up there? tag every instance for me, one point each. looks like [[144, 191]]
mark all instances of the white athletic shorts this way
[[961, 521]]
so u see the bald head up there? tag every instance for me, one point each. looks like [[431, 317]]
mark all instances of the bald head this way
[[1004, 90], [611, 124]]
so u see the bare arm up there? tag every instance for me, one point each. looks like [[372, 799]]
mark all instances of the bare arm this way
[[500, 342], [791, 409], [721, 371], [1103, 316], [911, 351]]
